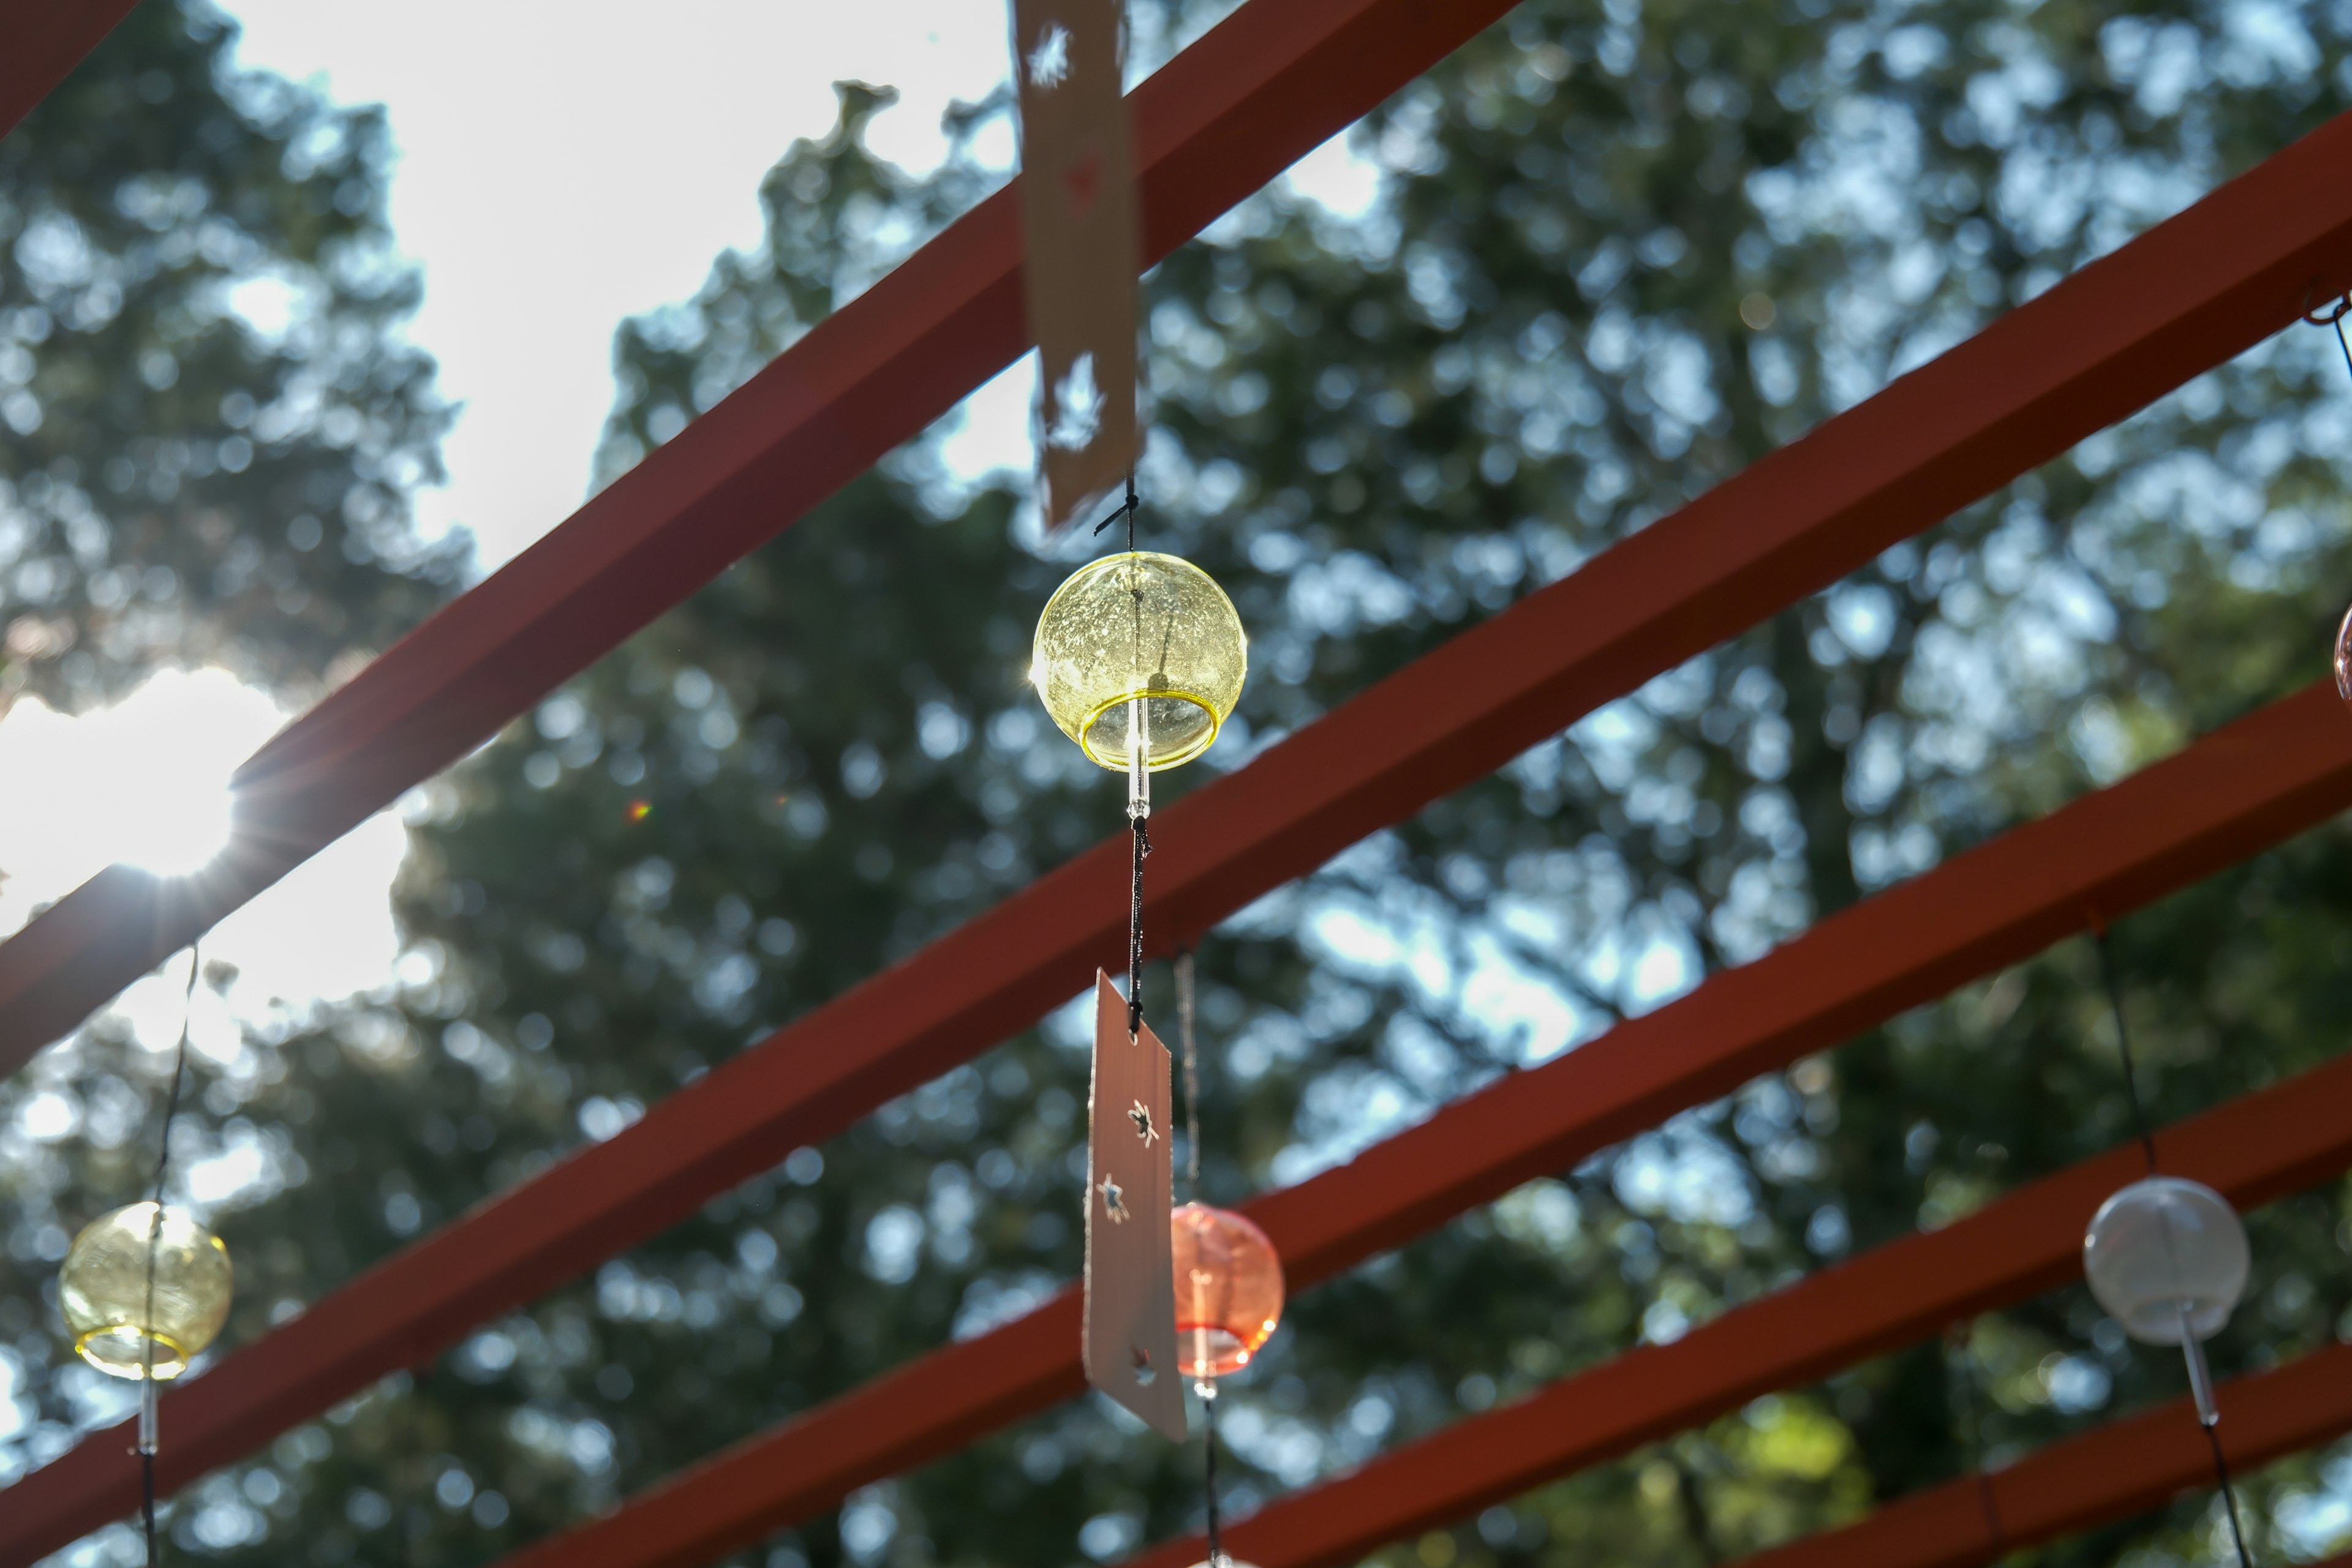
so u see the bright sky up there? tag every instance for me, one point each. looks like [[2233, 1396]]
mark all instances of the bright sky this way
[[555, 178], [551, 181], [76, 794]]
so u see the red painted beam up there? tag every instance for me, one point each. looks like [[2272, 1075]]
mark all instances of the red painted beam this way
[[1262, 89], [2165, 306], [2251, 784], [2125, 1467], [1224, 117], [41, 41], [2181, 297], [2254, 1149]]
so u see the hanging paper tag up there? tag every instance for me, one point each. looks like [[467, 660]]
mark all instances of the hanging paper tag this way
[[1078, 219], [1130, 1336]]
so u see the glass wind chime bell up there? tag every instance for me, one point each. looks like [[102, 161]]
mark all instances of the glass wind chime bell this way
[[2332, 316], [1228, 1302], [1228, 1292], [144, 1289], [127, 1324], [1139, 658], [2167, 1259]]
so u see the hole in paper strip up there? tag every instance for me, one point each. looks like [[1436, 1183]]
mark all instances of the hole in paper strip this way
[[1077, 406], [1049, 62]]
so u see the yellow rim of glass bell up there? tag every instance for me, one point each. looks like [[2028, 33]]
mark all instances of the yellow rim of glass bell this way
[[165, 1370], [1086, 580], [1117, 763]]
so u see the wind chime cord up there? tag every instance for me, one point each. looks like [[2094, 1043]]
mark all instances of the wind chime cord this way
[[1973, 1393], [1209, 1404], [2229, 1496], [2123, 1047], [1134, 931], [2148, 1146], [147, 1436], [1191, 1071], [1139, 814], [2331, 316]]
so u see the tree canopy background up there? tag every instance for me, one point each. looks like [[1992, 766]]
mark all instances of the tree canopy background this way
[[1620, 251]]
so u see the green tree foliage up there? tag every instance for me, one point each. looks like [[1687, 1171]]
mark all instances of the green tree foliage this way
[[207, 430], [1619, 252], [208, 433]]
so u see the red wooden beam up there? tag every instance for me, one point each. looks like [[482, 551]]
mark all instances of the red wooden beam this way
[[2257, 782], [2254, 1149], [1262, 89], [41, 41], [1227, 115], [2181, 297], [2125, 1467]]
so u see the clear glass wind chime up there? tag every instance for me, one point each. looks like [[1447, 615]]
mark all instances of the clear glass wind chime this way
[[144, 1289], [2166, 1257], [2332, 316]]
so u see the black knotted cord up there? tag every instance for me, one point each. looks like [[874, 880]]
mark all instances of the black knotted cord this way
[[1138, 787], [2190, 1349], [1191, 1070], [147, 1396], [1972, 1395], [1140, 820]]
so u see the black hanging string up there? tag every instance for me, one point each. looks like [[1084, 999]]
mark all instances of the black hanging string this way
[[1191, 1071], [1209, 1404], [2229, 1496], [1139, 800], [1134, 929], [2190, 1347], [2332, 316], [1972, 1396], [1203, 1384], [147, 1396], [2123, 1046]]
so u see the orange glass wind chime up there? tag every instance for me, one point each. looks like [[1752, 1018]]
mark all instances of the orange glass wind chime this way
[[1228, 1283]]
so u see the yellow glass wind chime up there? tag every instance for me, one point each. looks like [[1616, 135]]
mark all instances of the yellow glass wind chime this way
[[144, 1289], [1139, 658]]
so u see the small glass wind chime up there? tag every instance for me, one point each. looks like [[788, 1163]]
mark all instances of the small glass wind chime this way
[[144, 1289], [1140, 657], [2332, 316], [2166, 1257], [1229, 1285]]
